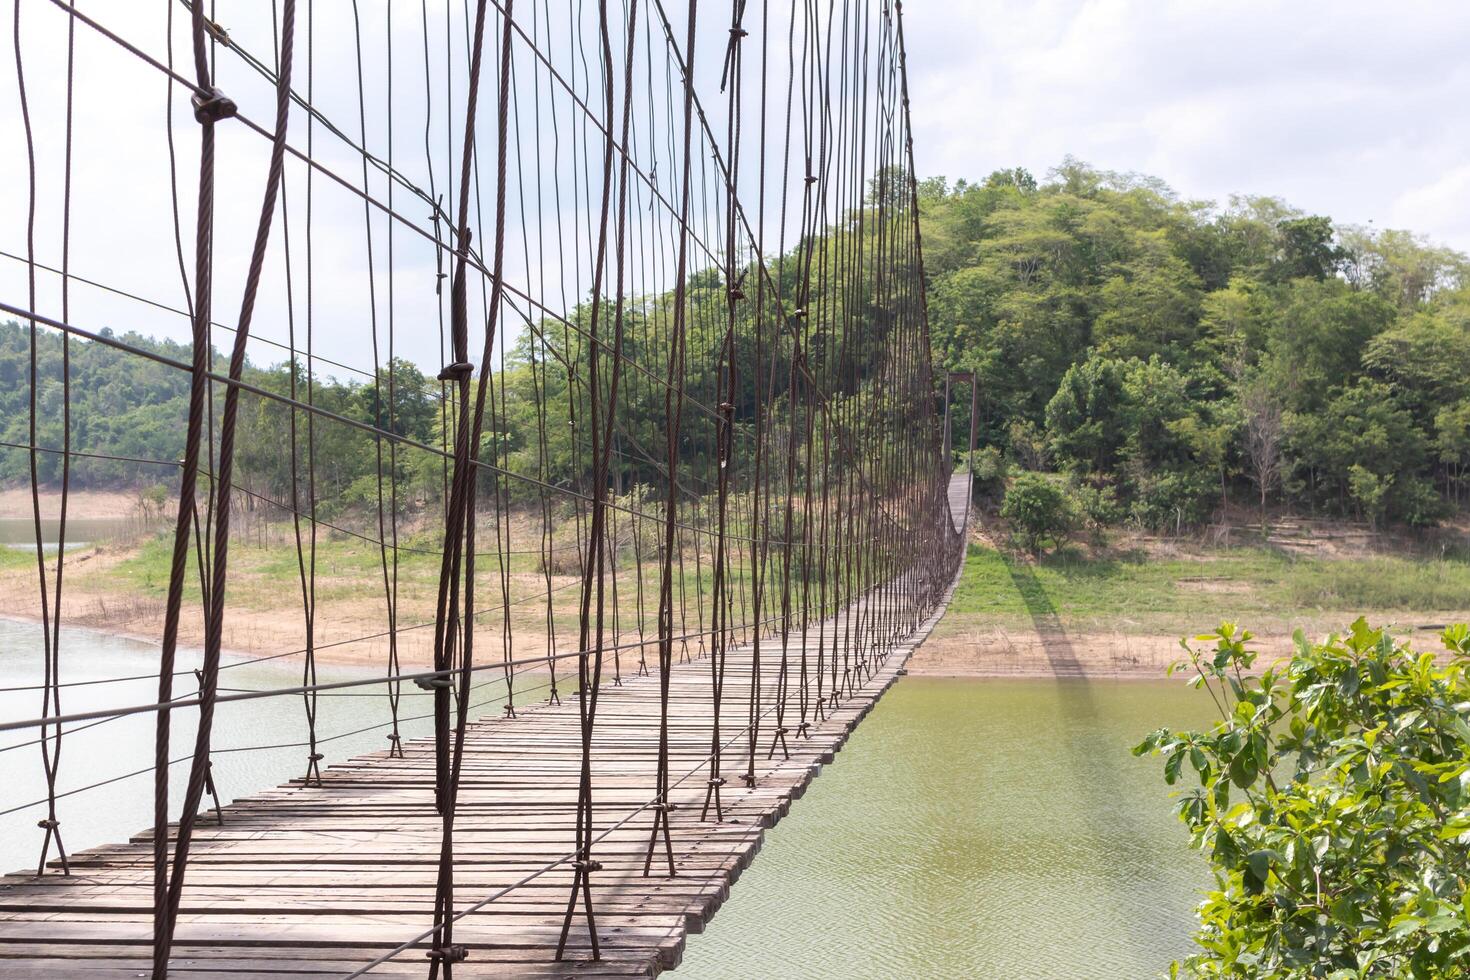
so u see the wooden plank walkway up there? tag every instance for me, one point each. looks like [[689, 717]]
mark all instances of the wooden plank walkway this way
[[319, 881], [959, 500]]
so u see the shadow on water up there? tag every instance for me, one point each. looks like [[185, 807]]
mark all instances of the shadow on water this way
[[1101, 785]]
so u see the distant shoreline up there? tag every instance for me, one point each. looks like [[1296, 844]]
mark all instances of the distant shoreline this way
[[15, 504]]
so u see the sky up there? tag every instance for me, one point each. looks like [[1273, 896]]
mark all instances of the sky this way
[[1353, 109], [1357, 109]]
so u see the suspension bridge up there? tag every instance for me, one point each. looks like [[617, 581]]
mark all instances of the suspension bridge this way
[[678, 488]]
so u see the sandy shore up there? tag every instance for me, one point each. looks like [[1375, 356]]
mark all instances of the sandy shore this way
[[1032, 653], [1023, 653], [249, 633], [987, 653], [15, 503]]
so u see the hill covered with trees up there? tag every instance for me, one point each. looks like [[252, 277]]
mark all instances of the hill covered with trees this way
[[1159, 359], [1171, 356]]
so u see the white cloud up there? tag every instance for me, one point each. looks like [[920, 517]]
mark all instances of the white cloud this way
[[1439, 203], [1341, 108]]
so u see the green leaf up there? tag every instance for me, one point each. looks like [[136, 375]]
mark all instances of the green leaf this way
[[1404, 925], [1260, 863], [1345, 910], [1171, 767], [1370, 823], [1442, 922], [1243, 770]]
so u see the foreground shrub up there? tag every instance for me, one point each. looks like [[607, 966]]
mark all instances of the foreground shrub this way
[[1333, 804]]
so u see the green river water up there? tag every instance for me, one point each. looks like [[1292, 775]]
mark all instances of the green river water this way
[[975, 828]]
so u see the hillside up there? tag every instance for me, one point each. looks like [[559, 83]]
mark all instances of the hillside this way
[[1171, 356]]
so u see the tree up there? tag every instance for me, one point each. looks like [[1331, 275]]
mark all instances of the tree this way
[[1038, 509], [1452, 440], [1425, 360], [1370, 490], [1233, 323], [1082, 425], [1316, 339], [1149, 305], [1263, 440], [1333, 805], [1364, 426], [1401, 267], [1306, 249], [1061, 295]]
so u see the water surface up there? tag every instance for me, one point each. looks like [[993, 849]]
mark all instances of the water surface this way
[[350, 722], [975, 828], [19, 533]]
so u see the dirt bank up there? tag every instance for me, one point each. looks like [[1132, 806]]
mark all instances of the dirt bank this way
[[987, 651], [15, 503]]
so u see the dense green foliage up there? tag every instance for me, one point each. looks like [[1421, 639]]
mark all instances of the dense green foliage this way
[[1180, 353], [1039, 510], [124, 405], [121, 406], [1333, 803]]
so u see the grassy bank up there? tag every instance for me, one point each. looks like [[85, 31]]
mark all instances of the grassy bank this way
[[1236, 583], [1123, 611]]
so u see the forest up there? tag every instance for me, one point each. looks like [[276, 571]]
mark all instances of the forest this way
[[128, 412], [1158, 360], [1171, 358]]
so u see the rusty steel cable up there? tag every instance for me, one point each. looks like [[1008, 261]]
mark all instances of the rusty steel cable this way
[[779, 478]]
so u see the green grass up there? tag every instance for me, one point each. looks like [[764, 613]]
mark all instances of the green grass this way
[[1382, 583], [1197, 592]]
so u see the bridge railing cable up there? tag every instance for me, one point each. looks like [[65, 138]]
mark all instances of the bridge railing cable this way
[[681, 406]]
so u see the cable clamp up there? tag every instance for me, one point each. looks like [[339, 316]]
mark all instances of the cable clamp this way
[[216, 31], [738, 32], [315, 757], [717, 781], [214, 107], [394, 737], [48, 824], [782, 731], [434, 683], [449, 954], [458, 371], [811, 178], [802, 728], [799, 312], [666, 807], [588, 866]]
